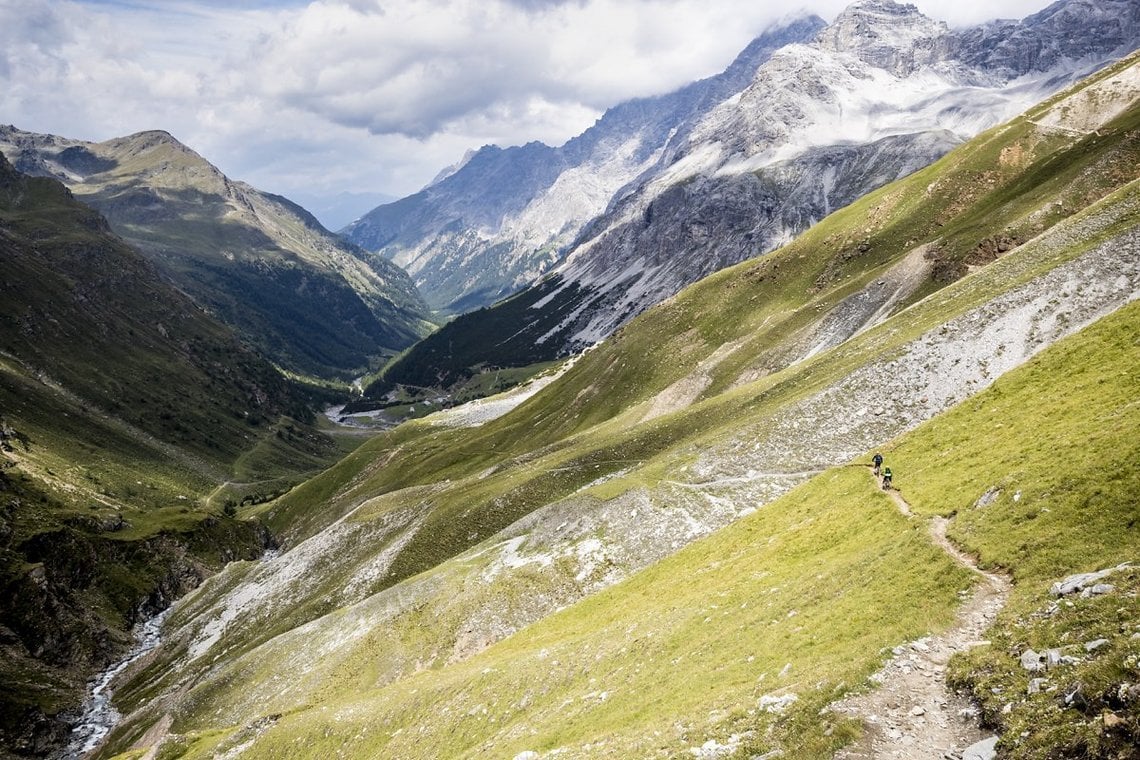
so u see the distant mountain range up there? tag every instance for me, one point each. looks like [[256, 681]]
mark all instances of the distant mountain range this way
[[312, 303], [501, 218], [809, 118], [340, 209]]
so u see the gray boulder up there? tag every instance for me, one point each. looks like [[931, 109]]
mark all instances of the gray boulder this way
[[1080, 581], [986, 749]]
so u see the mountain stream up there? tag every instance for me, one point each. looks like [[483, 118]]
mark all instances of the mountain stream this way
[[99, 715]]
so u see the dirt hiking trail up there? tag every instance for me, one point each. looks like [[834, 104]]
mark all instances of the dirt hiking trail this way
[[912, 713]]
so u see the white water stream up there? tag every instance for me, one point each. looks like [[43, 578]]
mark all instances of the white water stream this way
[[99, 715]]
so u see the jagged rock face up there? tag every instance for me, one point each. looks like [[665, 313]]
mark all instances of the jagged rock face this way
[[450, 236], [504, 217], [887, 35], [1065, 31], [720, 221], [880, 93]]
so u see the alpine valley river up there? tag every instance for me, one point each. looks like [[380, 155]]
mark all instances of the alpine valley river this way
[[99, 716]]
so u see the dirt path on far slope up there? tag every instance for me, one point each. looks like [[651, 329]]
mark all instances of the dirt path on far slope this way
[[912, 713]]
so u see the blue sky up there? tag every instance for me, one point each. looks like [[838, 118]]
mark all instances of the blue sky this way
[[323, 96]]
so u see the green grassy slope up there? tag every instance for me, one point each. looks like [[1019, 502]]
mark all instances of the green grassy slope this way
[[122, 405], [704, 427], [802, 597], [473, 505], [763, 308], [1060, 488]]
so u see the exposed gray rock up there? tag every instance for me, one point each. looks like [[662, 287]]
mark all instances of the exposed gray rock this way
[[1062, 31], [776, 704], [988, 498], [1080, 581], [1128, 692], [1052, 658], [1032, 661], [1037, 685], [983, 750], [888, 35], [1095, 644], [1075, 696]]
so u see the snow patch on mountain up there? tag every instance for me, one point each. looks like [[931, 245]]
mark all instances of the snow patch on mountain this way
[[881, 71], [577, 195], [808, 98]]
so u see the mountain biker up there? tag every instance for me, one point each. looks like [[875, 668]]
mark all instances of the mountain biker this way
[[877, 460], [887, 478]]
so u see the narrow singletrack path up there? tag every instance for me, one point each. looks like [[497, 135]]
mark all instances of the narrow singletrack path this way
[[912, 713]]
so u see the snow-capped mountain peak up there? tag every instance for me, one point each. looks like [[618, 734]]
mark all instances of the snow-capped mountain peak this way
[[664, 191], [504, 217], [887, 35]]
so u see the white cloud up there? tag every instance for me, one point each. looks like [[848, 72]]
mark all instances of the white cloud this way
[[365, 94]]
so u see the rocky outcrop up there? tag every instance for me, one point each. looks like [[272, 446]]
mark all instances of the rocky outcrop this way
[[887, 35], [1066, 31], [722, 220]]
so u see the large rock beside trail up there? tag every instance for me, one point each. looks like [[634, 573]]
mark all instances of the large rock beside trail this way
[[1080, 581], [986, 749]]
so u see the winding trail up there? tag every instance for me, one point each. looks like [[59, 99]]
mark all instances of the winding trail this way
[[913, 714]]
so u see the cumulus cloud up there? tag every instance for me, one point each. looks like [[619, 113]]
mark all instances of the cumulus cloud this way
[[417, 69], [365, 94]]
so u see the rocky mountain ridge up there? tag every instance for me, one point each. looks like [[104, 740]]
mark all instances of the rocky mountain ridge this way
[[882, 82], [501, 217], [259, 262], [880, 70]]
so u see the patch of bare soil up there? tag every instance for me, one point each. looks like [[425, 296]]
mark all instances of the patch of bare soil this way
[[912, 713], [688, 389]]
